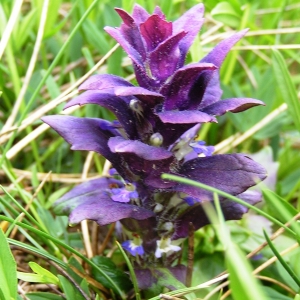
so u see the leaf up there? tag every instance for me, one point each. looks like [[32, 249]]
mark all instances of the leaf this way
[[73, 262], [8, 270], [121, 279], [33, 277], [71, 292], [243, 284], [225, 13], [282, 261], [166, 279], [47, 275], [286, 86], [23, 30], [43, 296], [274, 295], [281, 209]]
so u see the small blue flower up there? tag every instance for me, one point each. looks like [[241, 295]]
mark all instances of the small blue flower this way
[[124, 194], [202, 150], [190, 200], [134, 247]]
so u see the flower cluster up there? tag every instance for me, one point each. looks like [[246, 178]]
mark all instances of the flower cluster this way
[[155, 132]]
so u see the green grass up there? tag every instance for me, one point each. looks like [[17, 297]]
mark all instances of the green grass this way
[[46, 51]]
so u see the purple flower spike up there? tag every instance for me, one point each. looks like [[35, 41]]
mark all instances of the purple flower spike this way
[[155, 132]]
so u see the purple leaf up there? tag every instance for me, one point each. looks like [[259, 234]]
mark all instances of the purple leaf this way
[[177, 90], [231, 173], [190, 22], [76, 196], [219, 52], [132, 52], [144, 160], [139, 14], [234, 105], [144, 80], [84, 133], [149, 277], [126, 17], [103, 210], [103, 81], [185, 117], [144, 151], [213, 91], [202, 89], [164, 59], [116, 104], [148, 97], [154, 31]]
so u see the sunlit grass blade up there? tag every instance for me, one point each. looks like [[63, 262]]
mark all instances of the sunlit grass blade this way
[[8, 270], [281, 209], [281, 260], [286, 86], [242, 283]]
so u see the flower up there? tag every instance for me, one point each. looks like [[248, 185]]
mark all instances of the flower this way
[[155, 132], [164, 246], [134, 247]]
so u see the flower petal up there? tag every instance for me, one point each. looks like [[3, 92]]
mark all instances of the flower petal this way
[[103, 81], [177, 90], [132, 248], [234, 105], [231, 173]]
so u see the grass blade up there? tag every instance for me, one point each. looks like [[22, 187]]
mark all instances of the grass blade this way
[[131, 271], [281, 260], [286, 86], [8, 271]]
